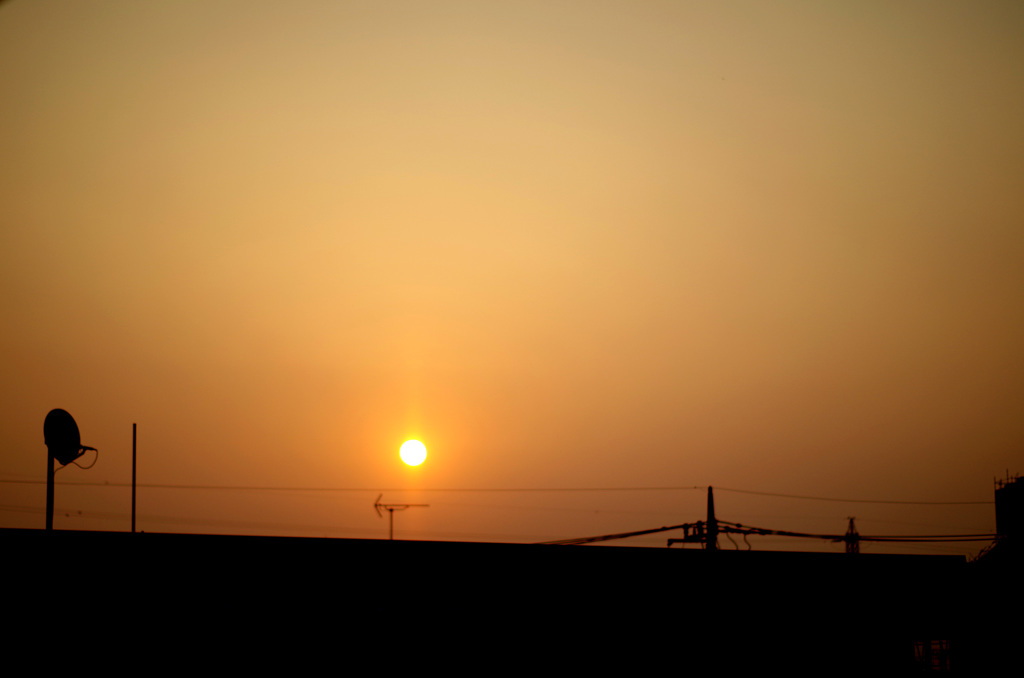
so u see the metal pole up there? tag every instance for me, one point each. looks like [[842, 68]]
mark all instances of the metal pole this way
[[49, 489], [391, 532], [133, 478]]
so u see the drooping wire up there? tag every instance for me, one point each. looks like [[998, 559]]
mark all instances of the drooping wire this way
[[725, 526], [94, 460]]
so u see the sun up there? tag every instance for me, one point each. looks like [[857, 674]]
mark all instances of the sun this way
[[413, 452]]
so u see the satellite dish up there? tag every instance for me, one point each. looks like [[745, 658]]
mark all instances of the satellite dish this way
[[63, 443], [60, 433]]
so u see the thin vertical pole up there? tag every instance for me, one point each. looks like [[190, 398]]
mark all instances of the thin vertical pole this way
[[391, 515], [49, 490], [711, 543], [133, 478]]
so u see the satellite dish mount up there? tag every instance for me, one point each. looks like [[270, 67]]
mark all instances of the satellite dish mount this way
[[63, 444]]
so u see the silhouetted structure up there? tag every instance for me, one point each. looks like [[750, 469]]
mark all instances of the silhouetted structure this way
[[63, 444], [1010, 507], [1006, 551], [752, 610], [994, 576]]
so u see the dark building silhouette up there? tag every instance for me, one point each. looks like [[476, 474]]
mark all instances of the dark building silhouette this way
[[1010, 507], [992, 642]]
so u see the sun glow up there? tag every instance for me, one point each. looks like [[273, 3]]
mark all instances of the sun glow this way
[[413, 452]]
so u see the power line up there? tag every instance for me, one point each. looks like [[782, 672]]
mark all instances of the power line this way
[[736, 528], [610, 537], [855, 501], [269, 488], [671, 488]]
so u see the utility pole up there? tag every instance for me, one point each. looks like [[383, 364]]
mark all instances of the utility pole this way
[[703, 533], [711, 544]]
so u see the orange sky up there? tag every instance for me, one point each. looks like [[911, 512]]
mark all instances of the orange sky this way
[[766, 246]]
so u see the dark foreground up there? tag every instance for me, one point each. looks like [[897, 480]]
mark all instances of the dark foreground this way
[[305, 605]]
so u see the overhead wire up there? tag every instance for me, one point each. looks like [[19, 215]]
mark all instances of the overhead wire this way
[[667, 488], [853, 501], [726, 526], [271, 488]]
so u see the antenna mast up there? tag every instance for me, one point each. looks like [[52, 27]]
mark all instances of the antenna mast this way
[[391, 508]]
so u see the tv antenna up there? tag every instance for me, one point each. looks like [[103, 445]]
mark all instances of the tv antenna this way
[[63, 444], [391, 508]]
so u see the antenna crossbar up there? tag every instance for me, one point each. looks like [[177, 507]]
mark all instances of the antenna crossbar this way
[[391, 508]]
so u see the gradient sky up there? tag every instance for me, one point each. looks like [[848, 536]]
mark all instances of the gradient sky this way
[[773, 246]]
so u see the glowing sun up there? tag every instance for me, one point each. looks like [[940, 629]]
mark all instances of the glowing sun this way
[[413, 452]]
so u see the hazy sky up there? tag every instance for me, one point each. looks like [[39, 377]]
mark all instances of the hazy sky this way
[[771, 246]]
